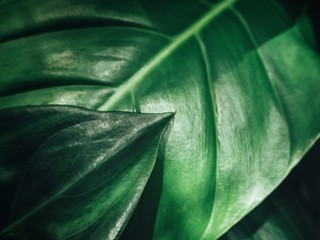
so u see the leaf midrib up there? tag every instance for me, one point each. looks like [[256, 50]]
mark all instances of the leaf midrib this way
[[176, 42], [213, 114]]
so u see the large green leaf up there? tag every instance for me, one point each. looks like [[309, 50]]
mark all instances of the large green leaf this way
[[242, 77], [71, 173]]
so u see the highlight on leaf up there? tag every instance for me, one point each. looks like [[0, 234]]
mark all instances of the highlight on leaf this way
[[68, 172], [242, 77]]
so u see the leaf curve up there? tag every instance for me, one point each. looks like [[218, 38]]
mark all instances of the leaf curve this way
[[231, 120], [59, 188]]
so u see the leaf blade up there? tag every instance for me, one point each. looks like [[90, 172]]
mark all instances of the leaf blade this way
[[73, 178], [252, 131]]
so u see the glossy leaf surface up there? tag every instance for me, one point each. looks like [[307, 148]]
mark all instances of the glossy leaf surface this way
[[242, 77], [71, 173]]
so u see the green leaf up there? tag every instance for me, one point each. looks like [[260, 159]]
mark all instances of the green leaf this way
[[242, 77], [72, 173], [288, 213], [286, 220], [278, 217]]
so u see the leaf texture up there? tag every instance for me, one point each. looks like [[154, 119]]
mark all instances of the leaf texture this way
[[242, 77], [71, 173], [289, 212]]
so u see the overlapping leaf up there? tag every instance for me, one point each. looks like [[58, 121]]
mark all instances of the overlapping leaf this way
[[242, 76], [70, 173]]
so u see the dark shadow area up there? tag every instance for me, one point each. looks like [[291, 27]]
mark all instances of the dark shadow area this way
[[37, 84], [142, 222], [309, 183], [312, 8], [313, 12], [68, 24]]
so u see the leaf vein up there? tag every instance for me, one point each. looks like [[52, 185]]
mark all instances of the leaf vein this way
[[172, 46], [210, 90], [267, 71]]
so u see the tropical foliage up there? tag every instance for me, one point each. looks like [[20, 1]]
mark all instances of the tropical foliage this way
[[155, 119]]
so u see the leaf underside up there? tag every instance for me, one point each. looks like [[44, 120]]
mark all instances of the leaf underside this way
[[242, 77]]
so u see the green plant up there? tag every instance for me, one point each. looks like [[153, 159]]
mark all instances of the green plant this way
[[242, 78]]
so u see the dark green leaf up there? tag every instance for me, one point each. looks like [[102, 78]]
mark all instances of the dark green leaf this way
[[291, 212], [279, 217], [243, 77], [71, 173]]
